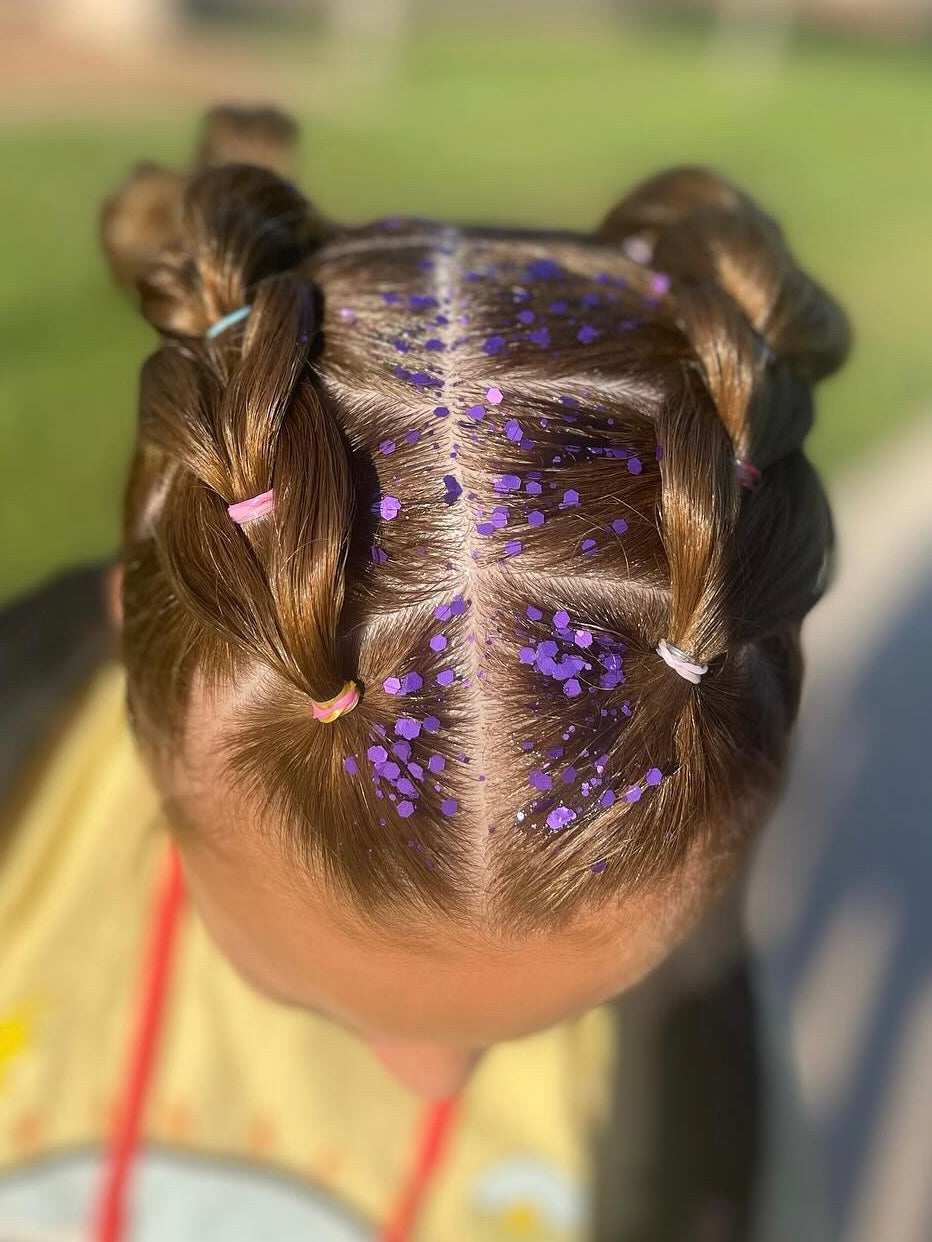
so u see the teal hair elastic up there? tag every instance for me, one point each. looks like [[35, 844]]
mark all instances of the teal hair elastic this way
[[226, 322]]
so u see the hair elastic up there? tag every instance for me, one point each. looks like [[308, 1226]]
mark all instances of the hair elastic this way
[[681, 662], [226, 322], [748, 476], [331, 709], [244, 511]]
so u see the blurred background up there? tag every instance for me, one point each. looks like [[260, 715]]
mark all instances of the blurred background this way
[[545, 112]]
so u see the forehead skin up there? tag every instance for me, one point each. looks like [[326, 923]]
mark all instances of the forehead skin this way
[[449, 985]]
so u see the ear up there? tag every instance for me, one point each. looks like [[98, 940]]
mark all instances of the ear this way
[[113, 601]]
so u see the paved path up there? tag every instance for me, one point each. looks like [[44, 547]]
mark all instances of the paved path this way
[[841, 892]]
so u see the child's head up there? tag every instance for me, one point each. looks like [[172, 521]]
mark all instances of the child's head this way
[[504, 466]]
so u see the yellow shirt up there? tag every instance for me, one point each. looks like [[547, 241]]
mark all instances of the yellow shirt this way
[[262, 1122]]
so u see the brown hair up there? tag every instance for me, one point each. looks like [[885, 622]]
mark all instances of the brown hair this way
[[504, 468]]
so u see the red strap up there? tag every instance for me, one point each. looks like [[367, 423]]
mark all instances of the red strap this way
[[436, 1125], [110, 1219]]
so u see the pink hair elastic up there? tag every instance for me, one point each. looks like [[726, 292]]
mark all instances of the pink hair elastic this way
[[680, 662], [331, 709], [255, 507], [748, 476]]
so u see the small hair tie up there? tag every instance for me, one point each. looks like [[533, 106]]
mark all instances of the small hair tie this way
[[226, 322], [681, 662], [330, 709], [244, 511], [748, 476]]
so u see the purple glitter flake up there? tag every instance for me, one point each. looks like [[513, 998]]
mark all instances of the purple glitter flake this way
[[441, 411], [457, 605], [434, 344], [485, 528], [431, 724], [446, 677], [541, 780], [422, 301], [558, 308], [507, 483], [634, 465], [405, 808], [561, 619], [583, 638], [533, 488], [449, 806], [406, 787], [526, 317], [407, 727], [536, 518], [619, 526], [436, 763], [499, 517], [570, 498], [411, 682], [391, 685], [376, 754], [476, 412], [559, 817], [660, 283], [391, 298], [633, 794], [527, 744], [494, 345], [568, 775], [540, 336], [512, 547], [402, 751], [607, 798], [587, 334], [513, 430], [544, 269], [654, 776], [534, 613], [453, 489], [390, 507], [389, 770], [438, 642], [571, 688], [588, 546], [350, 765], [412, 437], [494, 396], [598, 867], [379, 555], [527, 655]]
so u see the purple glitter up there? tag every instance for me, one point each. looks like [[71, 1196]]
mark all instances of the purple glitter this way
[[588, 546], [513, 430], [402, 750], [390, 507], [434, 344], [583, 638], [587, 334], [654, 776], [422, 301], [411, 682], [431, 724], [448, 806], [476, 412], [568, 775], [407, 727], [544, 269], [507, 483], [571, 688], [660, 283], [512, 547], [526, 317], [412, 436], [634, 465], [540, 336], [446, 677], [559, 817], [405, 809], [351, 766], [390, 770], [541, 781], [561, 619], [536, 518], [377, 754], [527, 655], [485, 528], [436, 763], [633, 794], [438, 642], [457, 605], [405, 786], [379, 555], [599, 867], [534, 613], [570, 498], [387, 446], [607, 798], [391, 298], [453, 489], [493, 396], [619, 526], [494, 345], [558, 308], [441, 411], [391, 685]]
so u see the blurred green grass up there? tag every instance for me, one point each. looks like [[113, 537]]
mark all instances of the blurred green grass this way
[[477, 124]]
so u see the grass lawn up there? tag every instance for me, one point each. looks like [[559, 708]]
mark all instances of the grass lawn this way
[[493, 124]]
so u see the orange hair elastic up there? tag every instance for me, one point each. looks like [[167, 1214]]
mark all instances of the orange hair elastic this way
[[330, 709]]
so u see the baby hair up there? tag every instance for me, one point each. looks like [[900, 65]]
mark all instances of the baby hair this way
[[527, 512]]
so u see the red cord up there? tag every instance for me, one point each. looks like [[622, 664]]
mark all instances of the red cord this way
[[111, 1209], [110, 1219], [436, 1125]]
